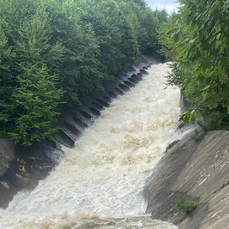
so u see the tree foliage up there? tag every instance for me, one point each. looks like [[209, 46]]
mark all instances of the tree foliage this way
[[35, 100], [53, 52], [198, 41], [6, 79]]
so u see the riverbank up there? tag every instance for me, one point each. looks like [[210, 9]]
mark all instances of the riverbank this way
[[192, 169]]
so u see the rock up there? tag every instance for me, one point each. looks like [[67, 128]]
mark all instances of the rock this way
[[7, 151], [20, 168]]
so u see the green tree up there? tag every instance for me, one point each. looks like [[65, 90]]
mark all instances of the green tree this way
[[33, 42], [79, 72], [36, 97], [167, 44], [207, 46], [201, 48], [6, 78], [28, 61], [146, 25], [117, 41], [53, 52], [35, 101]]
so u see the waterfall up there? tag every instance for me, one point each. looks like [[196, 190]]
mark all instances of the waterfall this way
[[99, 182]]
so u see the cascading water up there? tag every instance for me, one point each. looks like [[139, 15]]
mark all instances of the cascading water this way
[[99, 182]]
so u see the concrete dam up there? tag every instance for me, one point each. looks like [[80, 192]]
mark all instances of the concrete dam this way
[[119, 161]]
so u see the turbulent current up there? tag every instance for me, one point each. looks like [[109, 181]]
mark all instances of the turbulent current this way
[[99, 183]]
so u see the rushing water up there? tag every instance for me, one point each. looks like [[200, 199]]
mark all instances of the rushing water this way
[[99, 182]]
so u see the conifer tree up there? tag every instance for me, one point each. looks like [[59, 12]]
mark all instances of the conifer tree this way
[[54, 52], [35, 101], [6, 78]]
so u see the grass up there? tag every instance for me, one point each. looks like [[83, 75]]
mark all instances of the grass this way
[[224, 184], [189, 204]]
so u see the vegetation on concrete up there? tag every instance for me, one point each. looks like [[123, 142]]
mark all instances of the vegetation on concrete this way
[[186, 205], [224, 184], [196, 135]]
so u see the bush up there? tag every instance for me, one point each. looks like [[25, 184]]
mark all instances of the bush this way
[[186, 205], [196, 135], [218, 121]]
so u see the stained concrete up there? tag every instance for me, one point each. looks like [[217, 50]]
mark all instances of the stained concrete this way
[[7, 151], [20, 168], [193, 170]]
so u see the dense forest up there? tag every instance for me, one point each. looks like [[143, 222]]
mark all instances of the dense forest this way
[[196, 38], [53, 52]]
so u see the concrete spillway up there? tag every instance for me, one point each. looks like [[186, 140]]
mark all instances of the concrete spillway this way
[[106, 147]]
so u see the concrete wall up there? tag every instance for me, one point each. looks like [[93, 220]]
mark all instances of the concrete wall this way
[[7, 151], [20, 168], [194, 170]]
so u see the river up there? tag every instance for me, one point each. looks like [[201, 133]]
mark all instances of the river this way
[[99, 182]]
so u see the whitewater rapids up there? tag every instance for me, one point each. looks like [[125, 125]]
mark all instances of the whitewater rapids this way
[[99, 183]]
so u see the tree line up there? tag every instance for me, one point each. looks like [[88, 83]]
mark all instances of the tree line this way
[[196, 38], [53, 52]]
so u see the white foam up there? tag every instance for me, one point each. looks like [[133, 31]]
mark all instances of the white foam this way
[[105, 172]]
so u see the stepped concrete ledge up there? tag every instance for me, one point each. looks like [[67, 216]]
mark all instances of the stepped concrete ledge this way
[[195, 169], [22, 168]]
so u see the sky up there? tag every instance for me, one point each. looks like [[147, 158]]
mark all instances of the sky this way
[[168, 5]]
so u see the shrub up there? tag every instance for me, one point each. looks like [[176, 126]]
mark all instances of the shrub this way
[[196, 135], [218, 121], [186, 205]]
